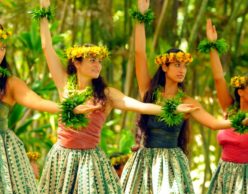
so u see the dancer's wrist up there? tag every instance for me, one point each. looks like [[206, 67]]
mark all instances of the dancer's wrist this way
[[43, 12], [146, 16], [219, 45]]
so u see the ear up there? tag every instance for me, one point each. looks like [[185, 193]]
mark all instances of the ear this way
[[76, 63], [240, 92], [164, 67]]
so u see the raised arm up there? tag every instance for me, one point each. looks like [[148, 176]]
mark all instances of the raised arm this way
[[58, 72], [223, 95], [141, 67]]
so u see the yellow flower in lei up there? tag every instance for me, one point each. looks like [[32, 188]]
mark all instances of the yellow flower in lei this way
[[173, 57], [118, 160], [239, 81], [99, 52], [180, 56], [4, 35], [188, 57], [33, 156], [158, 60]]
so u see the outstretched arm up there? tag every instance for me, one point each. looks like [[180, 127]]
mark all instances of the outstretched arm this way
[[23, 95], [224, 97], [26, 97], [120, 101], [206, 119], [58, 72], [141, 67]]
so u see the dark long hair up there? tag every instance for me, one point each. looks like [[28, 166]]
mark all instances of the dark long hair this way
[[237, 97], [3, 78], [236, 94], [159, 80], [98, 83], [242, 87]]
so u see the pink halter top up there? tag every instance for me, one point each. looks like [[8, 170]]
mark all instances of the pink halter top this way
[[234, 146], [87, 137]]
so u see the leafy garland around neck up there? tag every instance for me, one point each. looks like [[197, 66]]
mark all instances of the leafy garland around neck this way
[[233, 109], [75, 98], [169, 107], [236, 117], [4, 72]]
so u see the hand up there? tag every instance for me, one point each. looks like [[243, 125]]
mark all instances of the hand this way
[[186, 108], [45, 3], [86, 108], [135, 148], [143, 5], [245, 122], [211, 31]]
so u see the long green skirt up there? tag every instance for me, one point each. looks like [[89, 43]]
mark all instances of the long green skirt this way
[[16, 174], [229, 178], [157, 171], [77, 171]]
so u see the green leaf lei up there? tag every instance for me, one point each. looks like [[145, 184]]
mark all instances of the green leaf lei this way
[[4, 72], [169, 106], [75, 98], [220, 45], [43, 12], [146, 18], [232, 110], [236, 117], [236, 121]]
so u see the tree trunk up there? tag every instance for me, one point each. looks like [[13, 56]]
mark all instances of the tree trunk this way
[[63, 16], [160, 22], [196, 25]]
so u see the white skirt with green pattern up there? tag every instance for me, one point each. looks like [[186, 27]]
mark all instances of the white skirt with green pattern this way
[[229, 178], [77, 171], [157, 171], [16, 174]]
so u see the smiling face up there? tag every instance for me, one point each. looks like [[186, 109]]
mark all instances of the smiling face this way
[[175, 71], [89, 67]]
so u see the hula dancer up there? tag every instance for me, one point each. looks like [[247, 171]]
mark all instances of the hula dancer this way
[[76, 164], [231, 175], [161, 166], [16, 174]]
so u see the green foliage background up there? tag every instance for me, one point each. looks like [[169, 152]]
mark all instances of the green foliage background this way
[[178, 23]]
